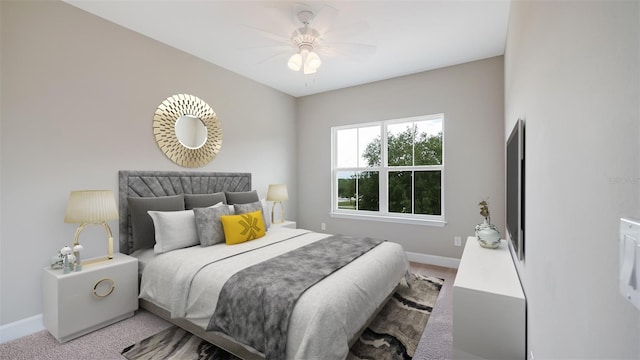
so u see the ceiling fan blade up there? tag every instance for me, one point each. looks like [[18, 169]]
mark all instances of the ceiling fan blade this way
[[324, 17], [280, 17], [266, 53], [345, 32], [269, 35], [282, 54], [281, 48], [353, 51], [276, 22], [286, 12]]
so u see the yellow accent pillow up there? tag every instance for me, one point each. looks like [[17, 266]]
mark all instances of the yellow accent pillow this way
[[243, 227]]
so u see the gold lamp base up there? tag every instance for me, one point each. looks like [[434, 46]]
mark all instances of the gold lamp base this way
[[273, 208], [109, 243]]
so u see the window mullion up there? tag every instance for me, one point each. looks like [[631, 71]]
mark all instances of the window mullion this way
[[357, 190], [413, 191], [383, 179], [334, 171], [383, 193], [413, 173], [359, 171]]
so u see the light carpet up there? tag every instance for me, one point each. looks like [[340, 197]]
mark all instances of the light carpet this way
[[393, 334]]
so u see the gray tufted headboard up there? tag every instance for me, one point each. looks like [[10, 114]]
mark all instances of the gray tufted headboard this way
[[165, 183]]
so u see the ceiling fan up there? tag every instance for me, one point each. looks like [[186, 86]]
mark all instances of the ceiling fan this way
[[306, 40], [315, 35]]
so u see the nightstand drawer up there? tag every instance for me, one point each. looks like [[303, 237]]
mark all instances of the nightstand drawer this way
[[80, 302]]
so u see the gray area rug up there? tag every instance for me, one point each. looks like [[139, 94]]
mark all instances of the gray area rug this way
[[393, 334]]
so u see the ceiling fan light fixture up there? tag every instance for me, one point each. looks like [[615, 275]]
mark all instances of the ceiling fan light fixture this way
[[305, 39], [306, 58], [313, 60], [308, 69], [295, 62]]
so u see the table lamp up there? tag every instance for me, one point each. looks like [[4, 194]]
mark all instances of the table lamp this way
[[277, 193], [88, 207]]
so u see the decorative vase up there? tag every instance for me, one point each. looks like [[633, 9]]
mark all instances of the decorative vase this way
[[488, 236]]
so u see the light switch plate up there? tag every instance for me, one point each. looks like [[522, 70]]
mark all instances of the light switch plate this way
[[629, 243]]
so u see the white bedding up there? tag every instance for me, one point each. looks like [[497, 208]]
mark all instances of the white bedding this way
[[325, 317]]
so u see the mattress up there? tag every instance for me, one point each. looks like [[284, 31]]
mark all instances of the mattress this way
[[187, 283]]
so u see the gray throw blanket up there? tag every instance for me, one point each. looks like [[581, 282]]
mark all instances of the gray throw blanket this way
[[255, 304]]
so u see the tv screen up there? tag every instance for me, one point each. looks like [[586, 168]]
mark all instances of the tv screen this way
[[515, 188]]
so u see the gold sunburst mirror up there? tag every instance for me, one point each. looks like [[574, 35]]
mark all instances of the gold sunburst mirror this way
[[187, 130]]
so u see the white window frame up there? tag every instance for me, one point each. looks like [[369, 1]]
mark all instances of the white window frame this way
[[383, 175]]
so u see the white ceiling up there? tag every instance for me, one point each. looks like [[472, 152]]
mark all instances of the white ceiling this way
[[251, 37]]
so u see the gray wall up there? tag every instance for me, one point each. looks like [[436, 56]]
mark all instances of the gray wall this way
[[470, 96], [78, 97], [572, 70]]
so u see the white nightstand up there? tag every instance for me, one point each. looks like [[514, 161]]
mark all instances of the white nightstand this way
[[285, 224], [79, 302]]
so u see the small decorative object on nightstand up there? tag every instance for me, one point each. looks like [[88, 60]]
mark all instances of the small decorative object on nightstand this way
[[66, 259], [92, 207], [76, 251], [487, 234], [277, 193], [76, 303]]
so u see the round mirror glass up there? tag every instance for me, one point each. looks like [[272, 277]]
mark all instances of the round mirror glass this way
[[191, 132]]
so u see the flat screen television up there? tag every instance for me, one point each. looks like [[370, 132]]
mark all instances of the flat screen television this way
[[515, 188]]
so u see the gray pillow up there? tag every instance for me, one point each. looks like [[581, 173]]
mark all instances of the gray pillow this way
[[241, 197], [141, 223], [192, 201], [208, 224], [251, 207]]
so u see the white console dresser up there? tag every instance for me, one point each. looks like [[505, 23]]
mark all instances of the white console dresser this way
[[489, 307]]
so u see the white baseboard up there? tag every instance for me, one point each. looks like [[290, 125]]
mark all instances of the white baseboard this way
[[433, 260], [21, 328]]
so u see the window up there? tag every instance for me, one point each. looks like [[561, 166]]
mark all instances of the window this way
[[389, 170]]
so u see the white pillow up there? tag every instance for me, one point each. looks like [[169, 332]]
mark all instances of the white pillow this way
[[174, 230]]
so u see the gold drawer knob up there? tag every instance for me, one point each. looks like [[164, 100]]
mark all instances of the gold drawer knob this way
[[103, 288]]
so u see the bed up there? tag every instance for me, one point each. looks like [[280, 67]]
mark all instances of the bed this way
[[182, 285]]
